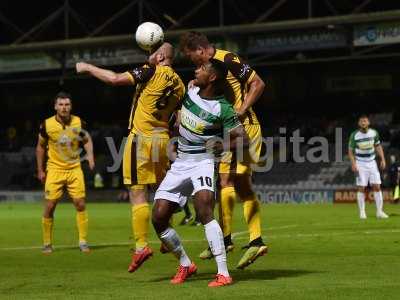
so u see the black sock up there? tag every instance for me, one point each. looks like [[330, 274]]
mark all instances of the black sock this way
[[257, 242], [228, 240]]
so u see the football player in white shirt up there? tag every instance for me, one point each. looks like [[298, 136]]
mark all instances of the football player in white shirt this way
[[364, 143]]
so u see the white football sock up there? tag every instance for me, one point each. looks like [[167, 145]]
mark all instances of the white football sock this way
[[361, 202], [215, 240], [171, 239], [378, 201]]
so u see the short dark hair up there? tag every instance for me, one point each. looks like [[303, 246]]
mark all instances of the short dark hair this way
[[193, 40], [62, 95], [219, 68], [363, 116]]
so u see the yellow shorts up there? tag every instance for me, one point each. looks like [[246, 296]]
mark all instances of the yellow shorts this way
[[244, 164], [58, 180], [145, 159]]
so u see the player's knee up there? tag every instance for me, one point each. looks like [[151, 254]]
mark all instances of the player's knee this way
[[244, 187], [362, 189], [159, 218], [202, 214], [80, 205], [49, 209], [137, 195], [204, 208], [244, 192], [245, 195], [159, 224], [376, 187], [226, 180]]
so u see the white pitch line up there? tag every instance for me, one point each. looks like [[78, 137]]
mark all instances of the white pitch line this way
[[236, 234], [305, 235], [297, 235]]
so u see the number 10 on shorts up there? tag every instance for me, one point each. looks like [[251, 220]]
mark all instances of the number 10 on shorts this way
[[205, 180]]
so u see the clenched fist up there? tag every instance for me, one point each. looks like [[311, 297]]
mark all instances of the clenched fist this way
[[82, 67]]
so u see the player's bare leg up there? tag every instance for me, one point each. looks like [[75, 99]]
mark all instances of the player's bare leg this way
[[251, 212], [162, 213], [47, 225], [204, 206], [378, 197], [140, 226], [82, 224], [361, 201]]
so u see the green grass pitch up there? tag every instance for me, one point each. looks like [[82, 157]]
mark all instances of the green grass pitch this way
[[316, 252]]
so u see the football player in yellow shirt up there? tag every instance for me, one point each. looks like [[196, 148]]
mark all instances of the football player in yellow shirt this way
[[245, 87], [159, 91], [60, 139]]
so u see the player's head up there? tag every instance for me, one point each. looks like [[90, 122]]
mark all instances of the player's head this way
[[163, 55], [63, 104], [212, 72], [194, 45], [363, 122]]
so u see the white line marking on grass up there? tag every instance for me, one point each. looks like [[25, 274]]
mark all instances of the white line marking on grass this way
[[66, 246], [276, 236], [325, 234], [236, 234]]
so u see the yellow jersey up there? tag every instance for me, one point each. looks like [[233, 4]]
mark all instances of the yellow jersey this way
[[63, 142], [239, 74], [159, 91]]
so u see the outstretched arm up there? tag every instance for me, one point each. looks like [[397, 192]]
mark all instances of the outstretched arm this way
[[107, 76]]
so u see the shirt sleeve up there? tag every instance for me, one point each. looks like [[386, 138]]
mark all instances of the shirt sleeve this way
[[377, 140], [42, 131], [229, 118], [242, 71], [43, 136], [141, 74]]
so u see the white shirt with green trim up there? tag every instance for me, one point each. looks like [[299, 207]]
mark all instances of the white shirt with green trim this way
[[363, 144], [203, 119]]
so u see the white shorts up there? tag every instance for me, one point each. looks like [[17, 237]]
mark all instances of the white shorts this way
[[187, 176], [367, 172]]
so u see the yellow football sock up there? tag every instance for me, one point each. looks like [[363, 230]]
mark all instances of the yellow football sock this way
[[227, 203], [251, 212], [47, 229], [140, 224], [82, 224]]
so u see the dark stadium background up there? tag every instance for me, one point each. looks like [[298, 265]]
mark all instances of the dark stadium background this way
[[313, 88]]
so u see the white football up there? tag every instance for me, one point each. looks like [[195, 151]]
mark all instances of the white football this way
[[149, 35]]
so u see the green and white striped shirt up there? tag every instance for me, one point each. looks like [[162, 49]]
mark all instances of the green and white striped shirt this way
[[363, 144], [203, 119]]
